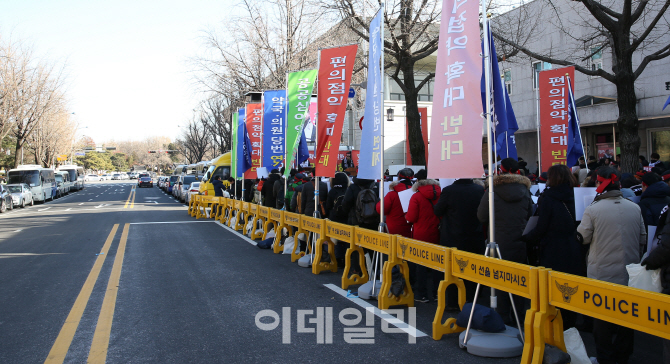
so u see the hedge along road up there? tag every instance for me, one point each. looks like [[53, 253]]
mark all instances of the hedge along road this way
[[172, 289]]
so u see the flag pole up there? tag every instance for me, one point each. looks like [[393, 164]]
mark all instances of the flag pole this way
[[537, 122], [286, 166], [382, 225]]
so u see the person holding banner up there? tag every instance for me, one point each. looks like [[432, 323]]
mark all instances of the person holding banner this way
[[395, 215], [614, 228], [513, 208]]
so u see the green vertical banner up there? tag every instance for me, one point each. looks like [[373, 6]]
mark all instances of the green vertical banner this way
[[233, 150], [299, 90]]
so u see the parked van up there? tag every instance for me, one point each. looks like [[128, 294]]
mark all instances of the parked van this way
[[42, 181], [63, 183], [76, 176], [220, 166]]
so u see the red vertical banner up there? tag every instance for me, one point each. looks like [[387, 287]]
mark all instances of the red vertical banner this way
[[335, 70], [423, 113], [254, 113], [554, 115]]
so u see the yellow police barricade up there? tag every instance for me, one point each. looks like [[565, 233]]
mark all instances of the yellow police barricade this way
[[519, 279], [292, 220], [205, 202], [229, 212], [217, 208], [224, 213], [630, 307], [234, 212], [253, 211], [263, 213], [242, 214], [276, 218], [376, 241], [194, 205], [346, 233], [434, 257], [318, 226]]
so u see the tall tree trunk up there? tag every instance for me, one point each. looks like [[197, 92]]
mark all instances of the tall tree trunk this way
[[628, 123], [416, 143]]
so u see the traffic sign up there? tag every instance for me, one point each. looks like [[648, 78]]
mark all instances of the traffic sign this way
[[352, 92]]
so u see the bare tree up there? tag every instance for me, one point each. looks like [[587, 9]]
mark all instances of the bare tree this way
[[194, 141], [52, 136], [636, 34], [216, 119]]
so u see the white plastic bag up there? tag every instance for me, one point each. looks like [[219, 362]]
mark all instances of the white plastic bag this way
[[302, 237], [247, 229], [575, 347], [233, 221], [288, 245], [640, 277], [259, 232], [270, 234]]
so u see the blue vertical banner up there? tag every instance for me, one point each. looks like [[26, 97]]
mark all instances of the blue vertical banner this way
[[370, 158], [243, 145], [502, 113], [274, 128]]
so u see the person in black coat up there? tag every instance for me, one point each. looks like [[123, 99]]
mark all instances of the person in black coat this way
[[513, 208], [268, 189], [339, 185], [659, 258], [655, 196], [218, 186], [460, 228], [308, 196]]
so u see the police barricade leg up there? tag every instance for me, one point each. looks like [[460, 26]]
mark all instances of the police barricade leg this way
[[297, 253], [254, 226], [448, 326], [348, 277], [239, 220], [331, 263]]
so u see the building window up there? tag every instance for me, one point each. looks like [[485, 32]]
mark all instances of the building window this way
[[537, 67], [507, 80], [659, 142], [425, 94], [596, 59]]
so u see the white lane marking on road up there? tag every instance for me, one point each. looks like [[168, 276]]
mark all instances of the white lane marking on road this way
[[90, 199], [236, 233], [81, 204], [68, 209], [16, 231], [156, 202], [101, 205], [97, 196], [167, 222], [15, 255], [44, 209], [411, 330]]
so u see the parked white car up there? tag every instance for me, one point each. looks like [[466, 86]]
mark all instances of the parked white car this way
[[21, 194], [193, 190], [92, 177], [106, 176]]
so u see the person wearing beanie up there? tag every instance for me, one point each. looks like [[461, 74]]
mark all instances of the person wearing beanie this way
[[655, 196], [421, 175], [267, 191], [395, 216], [460, 228], [351, 196], [513, 208], [614, 229]]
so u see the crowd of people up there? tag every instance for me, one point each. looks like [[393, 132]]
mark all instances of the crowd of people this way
[[611, 234]]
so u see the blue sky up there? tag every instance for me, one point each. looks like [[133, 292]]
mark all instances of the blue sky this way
[[127, 60]]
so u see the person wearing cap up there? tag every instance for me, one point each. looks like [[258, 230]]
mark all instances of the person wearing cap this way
[[613, 228], [460, 228], [395, 216], [513, 208], [655, 196]]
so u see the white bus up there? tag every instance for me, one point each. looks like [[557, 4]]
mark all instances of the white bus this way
[[42, 181], [76, 176]]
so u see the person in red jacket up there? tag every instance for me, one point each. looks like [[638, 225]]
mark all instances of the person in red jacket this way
[[425, 228], [395, 216]]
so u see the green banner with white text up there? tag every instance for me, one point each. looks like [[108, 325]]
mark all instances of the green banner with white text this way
[[299, 90]]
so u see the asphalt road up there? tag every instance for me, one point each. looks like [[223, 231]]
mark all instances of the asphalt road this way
[[123, 275]]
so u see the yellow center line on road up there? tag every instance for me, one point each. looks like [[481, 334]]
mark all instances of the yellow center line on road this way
[[132, 204], [100, 344], [62, 344], [132, 194]]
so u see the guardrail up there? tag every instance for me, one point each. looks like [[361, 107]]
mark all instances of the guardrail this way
[[547, 290]]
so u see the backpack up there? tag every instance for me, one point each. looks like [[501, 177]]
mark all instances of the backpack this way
[[298, 200], [290, 190], [338, 207], [366, 206]]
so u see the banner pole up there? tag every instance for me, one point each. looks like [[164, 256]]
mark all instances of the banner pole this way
[[579, 128], [382, 226], [537, 121], [286, 166]]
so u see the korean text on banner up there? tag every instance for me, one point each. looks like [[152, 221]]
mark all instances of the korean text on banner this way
[[274, 107], [456, 128], [300, 85], [233, 150], [335, 70], [371, 138], [255, 129], [554, 116]]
